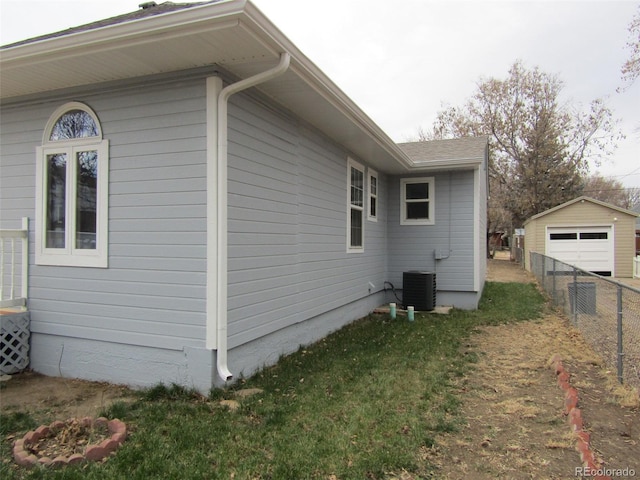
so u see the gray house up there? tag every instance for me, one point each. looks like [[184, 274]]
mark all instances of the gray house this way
[[203, 199]]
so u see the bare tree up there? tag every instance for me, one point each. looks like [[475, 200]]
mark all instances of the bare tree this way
[[611, 191], [631, 68], [539, 148]]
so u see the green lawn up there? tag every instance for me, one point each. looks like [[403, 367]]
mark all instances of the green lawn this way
[[361, 403]]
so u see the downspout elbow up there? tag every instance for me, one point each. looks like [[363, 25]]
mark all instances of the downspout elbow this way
[[276, 71], [223, 97]]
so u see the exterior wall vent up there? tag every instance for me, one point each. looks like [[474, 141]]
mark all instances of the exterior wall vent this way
[[419, 290]]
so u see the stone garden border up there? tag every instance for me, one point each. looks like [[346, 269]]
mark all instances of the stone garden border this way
[[23, 457], [574, 414]]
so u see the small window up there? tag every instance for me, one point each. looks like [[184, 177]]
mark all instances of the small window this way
[[593, 236], [373, 196], [417, 201], [71, 189], [355, 207], [563, 236]]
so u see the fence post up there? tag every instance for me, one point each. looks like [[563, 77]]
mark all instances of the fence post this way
[[620, 349], [575, 296], [555, 300]]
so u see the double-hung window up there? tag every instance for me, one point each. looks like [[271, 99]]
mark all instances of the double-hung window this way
[[417, 201], [72, 168], [373, 196], [355, 207]]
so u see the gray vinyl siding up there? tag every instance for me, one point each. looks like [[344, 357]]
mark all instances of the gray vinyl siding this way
[[290, 278], [153, 293], [18, 130], [286, 228], [413, 247], [287, 225]]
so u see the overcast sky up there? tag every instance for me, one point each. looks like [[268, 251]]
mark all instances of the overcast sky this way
[[401, 60]]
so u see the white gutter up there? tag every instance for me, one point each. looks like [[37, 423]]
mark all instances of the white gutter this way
[[449, 164], [222, 247]]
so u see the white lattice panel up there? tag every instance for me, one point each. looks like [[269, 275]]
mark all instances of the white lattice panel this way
[[14, 342]]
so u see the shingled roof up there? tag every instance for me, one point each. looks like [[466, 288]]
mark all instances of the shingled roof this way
[[147, 9], [459, 151]]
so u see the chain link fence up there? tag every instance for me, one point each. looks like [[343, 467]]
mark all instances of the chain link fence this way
[[605, 311]]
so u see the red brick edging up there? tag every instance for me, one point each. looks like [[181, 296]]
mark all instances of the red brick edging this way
[[574, 415], [23, 457]]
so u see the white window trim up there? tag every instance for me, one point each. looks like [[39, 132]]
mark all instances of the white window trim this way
[[370, 216], [403, 201], [358, 166], [71, 256], [53, 119]]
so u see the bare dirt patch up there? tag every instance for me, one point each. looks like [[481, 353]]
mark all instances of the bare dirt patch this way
[[514, 409], [51, 398]]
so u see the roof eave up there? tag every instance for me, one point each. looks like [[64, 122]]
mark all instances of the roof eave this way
[[110, 36], [313, 75], [380, 150], [449, 164]]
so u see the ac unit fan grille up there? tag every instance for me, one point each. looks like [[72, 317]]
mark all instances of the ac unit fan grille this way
[[419, 290]]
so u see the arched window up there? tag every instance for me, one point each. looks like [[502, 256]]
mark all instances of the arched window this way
[[72, 182], [74, 124]]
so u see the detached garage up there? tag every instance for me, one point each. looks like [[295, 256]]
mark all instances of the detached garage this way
[[590, 234]]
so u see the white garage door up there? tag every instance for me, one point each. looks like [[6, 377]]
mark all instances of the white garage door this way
[[589, 248]]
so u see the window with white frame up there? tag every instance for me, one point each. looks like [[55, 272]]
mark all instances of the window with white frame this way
[[72, 169], [355, 207], [373, 195], [417, 201]]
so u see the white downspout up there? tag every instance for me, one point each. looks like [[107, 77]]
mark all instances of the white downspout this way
[[223, 98]]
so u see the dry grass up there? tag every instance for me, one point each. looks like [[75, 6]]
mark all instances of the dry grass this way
[[514, 408]]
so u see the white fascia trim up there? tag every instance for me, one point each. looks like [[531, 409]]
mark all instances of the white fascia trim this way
[[225, 14], [304, 68], [457, 164], [325, 87], [116, 35]]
